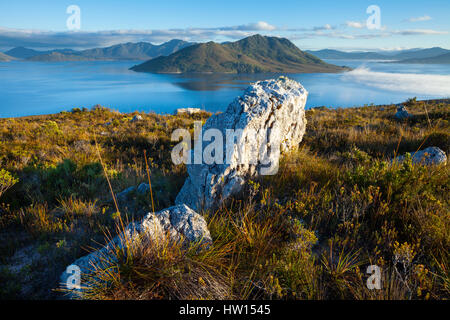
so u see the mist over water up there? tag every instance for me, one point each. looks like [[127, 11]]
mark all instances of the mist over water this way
[[419, 84], [31, 88]]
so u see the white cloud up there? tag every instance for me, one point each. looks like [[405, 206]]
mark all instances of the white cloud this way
[[259, 26], [419, 32], [89, 39], [393, 48], [323, 28], [418, 19], [355, 24], [382, 33], [418, 84]]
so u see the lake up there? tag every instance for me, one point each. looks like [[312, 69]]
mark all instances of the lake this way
[[32, 88]]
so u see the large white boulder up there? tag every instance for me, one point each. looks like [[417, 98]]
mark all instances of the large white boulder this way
[[268, 119]]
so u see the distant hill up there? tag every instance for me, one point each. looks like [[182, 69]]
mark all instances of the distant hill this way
[[250, 55], [26, 53], [135, 51], [22, 53], [397, 55], [59, 57], [335, 54], [126, 51], [421, 54], [442, 59], [5, 58]]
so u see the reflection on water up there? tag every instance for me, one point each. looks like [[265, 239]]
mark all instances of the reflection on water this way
[[28, 88], [218, 81]]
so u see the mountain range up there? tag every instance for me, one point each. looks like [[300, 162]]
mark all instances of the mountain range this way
[[441, 59], [125, 51], [400, 55], [254, 54]]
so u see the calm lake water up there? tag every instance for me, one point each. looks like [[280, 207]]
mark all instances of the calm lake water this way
[[31, 88]]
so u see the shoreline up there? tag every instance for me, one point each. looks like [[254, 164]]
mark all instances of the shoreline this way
[[36, 116]]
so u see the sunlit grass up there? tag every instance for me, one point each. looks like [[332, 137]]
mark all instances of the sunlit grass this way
[[336, 205]]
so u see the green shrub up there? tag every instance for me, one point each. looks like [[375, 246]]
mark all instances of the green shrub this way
[[7, 180]]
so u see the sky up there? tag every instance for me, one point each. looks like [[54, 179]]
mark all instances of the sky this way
[[312, 24]]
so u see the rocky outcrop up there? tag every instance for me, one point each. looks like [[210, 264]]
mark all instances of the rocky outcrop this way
[[402, 113], [428, 156], [267, 120], [180, 223]]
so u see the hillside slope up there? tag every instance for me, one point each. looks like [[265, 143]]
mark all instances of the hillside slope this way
[[332, 202]]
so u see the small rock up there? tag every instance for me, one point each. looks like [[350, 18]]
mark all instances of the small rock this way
[[187, 110], [137, 118], [402, 113], [428, 156]]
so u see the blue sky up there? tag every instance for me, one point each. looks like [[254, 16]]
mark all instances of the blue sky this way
[[312, 24]]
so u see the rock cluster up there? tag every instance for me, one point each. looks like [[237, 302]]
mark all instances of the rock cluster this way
[[270, 119]]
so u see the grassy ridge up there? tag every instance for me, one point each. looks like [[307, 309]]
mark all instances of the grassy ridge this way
[[335, 207]]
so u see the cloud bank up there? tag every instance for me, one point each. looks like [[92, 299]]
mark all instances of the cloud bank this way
[[416, 84], [350, 30], [90, 39]]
